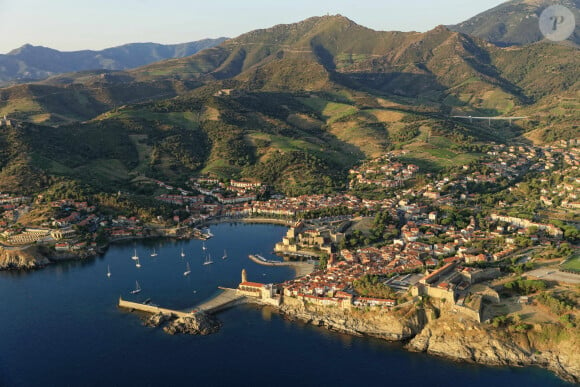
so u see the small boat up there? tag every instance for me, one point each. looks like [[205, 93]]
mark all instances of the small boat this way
[[208, 260], [208, 233], [203, 247], [154, 253], [135, 257], [108, 271], [137, 264], [225, 255], [147, 301], [137, 288], [187, 269], [182, 253]]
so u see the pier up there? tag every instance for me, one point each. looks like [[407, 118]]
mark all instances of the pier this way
[[226, 298], [301, 268], [151, 308]]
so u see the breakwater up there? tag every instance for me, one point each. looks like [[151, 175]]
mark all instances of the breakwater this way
[[301, 268]]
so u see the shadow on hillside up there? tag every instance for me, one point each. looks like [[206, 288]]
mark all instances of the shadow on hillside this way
[[397, 83]]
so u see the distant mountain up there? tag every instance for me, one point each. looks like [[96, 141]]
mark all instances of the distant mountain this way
[[29, 62], [515, 22], [294, 105]]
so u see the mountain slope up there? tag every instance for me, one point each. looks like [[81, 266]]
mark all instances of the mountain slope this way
[[36, 62], [515, 22], [294, 105]]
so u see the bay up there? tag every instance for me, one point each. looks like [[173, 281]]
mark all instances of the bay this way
[[60, 327]]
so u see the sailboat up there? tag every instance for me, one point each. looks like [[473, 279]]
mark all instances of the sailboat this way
[[187, 269], [208, 260], [182, 253], [137, 288], [203, 247], [137, 264], [108, 271], [154, 253], [225, 255], [135, 257], [208, 233]]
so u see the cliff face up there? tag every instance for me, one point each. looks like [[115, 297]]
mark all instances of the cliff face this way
[[382, 324], [467, 340], [27, 258], [34, 257], [452, 336]]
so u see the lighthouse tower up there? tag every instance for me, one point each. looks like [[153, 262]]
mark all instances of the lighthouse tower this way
[[244, 276]]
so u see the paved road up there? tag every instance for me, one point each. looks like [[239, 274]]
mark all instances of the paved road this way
[[552, 274]]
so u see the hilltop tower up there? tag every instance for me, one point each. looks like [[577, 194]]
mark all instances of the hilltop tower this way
[[244, 276]]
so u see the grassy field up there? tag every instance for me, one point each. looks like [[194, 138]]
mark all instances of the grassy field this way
[[573, 263], [437, 154], [330, 111], [220, 168], [370, 141]]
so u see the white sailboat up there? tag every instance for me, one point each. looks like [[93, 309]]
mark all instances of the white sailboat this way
[[203, 247], [187, 269], [108, 271], [208, 233], [137, 288], [135, 257], [137, 264], [225, 255], [154, 253], [208, 260], [182, 253]]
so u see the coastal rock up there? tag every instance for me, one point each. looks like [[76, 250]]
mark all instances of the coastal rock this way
[[156, 320], [198, 324], [470, 341], [34, 257], [25, 258], [388, 325]]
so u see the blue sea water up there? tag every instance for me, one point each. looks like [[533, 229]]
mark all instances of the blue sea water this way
[[60, 327]]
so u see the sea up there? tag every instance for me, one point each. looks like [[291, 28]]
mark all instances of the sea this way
[[60, 326]]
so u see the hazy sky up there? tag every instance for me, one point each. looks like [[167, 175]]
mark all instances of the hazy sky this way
[[95, 24]]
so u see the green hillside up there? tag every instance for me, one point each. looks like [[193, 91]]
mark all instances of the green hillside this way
[[295, 105]]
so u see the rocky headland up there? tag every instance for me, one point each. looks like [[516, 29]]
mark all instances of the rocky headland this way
[[35, 257], [438, 331], [461, 339]]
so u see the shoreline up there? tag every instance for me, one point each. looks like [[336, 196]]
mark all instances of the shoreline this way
[[359, 326], [31, 257], [442, 337]]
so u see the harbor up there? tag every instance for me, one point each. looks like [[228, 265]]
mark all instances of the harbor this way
[[58, 347]]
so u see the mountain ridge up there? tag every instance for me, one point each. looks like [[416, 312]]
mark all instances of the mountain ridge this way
[[28, 62], [516, 22], [295, 105]]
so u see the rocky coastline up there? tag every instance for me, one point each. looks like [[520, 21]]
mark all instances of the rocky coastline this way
[[439, 332], [38, 256], [469, 341]]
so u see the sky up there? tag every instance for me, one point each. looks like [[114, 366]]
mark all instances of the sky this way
[[69, 25]]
